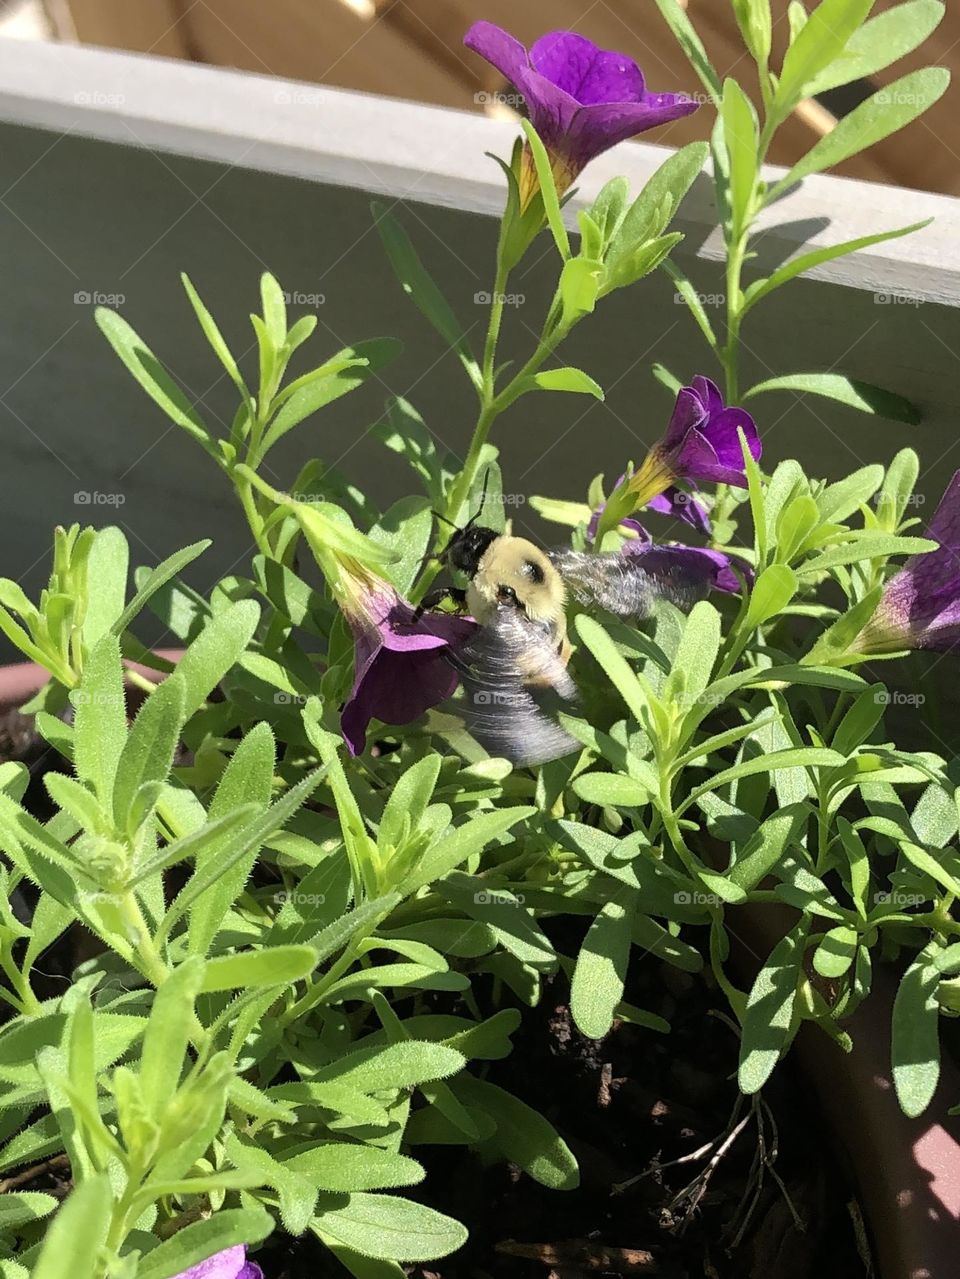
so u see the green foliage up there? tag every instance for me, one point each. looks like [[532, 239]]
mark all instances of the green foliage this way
[[835, 43]]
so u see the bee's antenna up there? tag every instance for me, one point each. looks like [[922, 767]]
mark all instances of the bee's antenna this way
[[483, 499], [443, 519]]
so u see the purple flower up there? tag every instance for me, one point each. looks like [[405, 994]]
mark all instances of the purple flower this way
[[692, 566], [702, 445], [400, 664], [920, 606], [680, 505], [230, 1264], [581, 100]]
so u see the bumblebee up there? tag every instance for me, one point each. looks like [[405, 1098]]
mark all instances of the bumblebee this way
[[514, 668]]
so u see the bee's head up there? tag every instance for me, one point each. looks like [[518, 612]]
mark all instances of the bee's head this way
[[468, 546]]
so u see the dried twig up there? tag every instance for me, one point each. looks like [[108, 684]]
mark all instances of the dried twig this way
[[31, 1174]]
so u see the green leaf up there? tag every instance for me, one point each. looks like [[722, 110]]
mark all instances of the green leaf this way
[[402, 1065], [149, 749], [346, 371], [419, 285], [579, 289], [360, 921], [611, 790], [389, 1228], [167, 1035], [200, 1240], [214, 835], [807, 261], [696, 653], [107, 567], [274, 308], [408, 800], [100, 721], [836, 386], [836, 952], [769, 1011], [915, 1042], [18, 1209], [756, 26], [155, 580], [523, 1136], [406, 529], [250, 836], [699, 312], [215, 651], [868, 547], [879, 42], [463, 842], [676, 19], [248, 778], [840, 500], [614, 664], [214, 336], [659, 200], [772, 592], [598, 978], [766, 848], [78, 1232], [887, 111], [272, 966], [567, 379], [548, 189], [339, 1166], [740, 134], [503, 911], [799, 757], [821, 41], [147, 370], [74, 798]]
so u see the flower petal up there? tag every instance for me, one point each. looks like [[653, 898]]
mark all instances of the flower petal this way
[[945, 525], [229, 1264], [588, 73], [499, 48], [689, 413], [679, 505], [598, 127], [689, 567], [551, 109]]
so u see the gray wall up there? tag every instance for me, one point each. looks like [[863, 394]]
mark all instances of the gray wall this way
[[83, 216]]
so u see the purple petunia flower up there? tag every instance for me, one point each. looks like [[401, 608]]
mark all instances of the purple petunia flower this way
[[696, 566], [680, 505], [581, 99], [400, 664], [230, 1264], [702, 445], [920, 606]]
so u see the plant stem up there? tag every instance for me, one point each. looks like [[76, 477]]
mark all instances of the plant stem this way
[[248, 501], [152, 966]]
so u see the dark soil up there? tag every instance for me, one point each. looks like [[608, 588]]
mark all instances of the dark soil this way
[[777, 1204], [680, 1176]]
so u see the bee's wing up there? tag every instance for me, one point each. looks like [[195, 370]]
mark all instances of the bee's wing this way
[[512, 676], [620, 584]]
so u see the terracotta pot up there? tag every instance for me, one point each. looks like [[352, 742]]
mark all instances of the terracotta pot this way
[[20, 680]]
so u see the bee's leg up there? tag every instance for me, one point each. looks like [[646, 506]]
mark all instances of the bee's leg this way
[[433, 599]]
